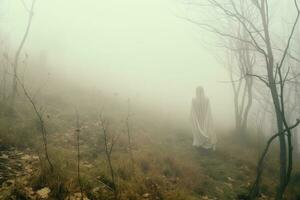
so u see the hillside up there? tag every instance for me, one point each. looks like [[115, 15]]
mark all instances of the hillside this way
[[165, 165]]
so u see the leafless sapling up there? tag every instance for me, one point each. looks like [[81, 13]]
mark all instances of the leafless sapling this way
[[129, 139], [109, 143], [5, 71], [77, 133], [19, 50], [40, 118]]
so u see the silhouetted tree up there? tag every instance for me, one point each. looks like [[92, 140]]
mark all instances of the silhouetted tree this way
[[19, 50], [242, 62], [260, 39], [39, 115], [128, 130], [109, 143], [77, 133]]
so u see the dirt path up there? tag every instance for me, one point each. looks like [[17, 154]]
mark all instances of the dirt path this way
[[227, 176]]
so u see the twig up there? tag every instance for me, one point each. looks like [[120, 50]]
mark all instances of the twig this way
[[41, 120], [78, 128], [254, 189], [108, 145]]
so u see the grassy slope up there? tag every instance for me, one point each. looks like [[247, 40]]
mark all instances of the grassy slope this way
[[166, 165]]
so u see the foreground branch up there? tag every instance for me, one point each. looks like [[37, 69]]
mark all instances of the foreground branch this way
[[41, 121], [255, 187], [109, 146], [19, 50]]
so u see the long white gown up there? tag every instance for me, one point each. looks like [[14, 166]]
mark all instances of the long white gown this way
[[202, 123]]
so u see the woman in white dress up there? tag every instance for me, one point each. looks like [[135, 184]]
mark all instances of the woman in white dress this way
[[202, 123]]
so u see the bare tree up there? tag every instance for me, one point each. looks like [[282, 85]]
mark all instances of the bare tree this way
[[19, 50], [5, 65], [128, 130], [39, 115], [109, 143], [77, 132], [292, 103], [259, 169], [295, 109], [257, 28], [254, 191], [242, 63]]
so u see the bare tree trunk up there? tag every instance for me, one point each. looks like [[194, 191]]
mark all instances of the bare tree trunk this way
[[18, 53], [129, 139], [282, 143], [109, 146], [249, 83], [236, 93], [296, 108], [296, 142], [255, 187], [260, 40], [242, 88], [41, 122], [4, 80], [78, 153], [276, 102]]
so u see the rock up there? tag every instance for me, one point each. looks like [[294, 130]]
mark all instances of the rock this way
[[229, 185], [76, 196], [87, 165], [4, 156], [146, 195], [43, 193], [26, 157], [10, 182], [245, 168], [230, 179], [28, 169], [35, 157], [207, 198], [96, 189], [29, 191], [19, 153], [264, 197]]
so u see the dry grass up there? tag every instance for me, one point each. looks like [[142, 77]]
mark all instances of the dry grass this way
[[166, 165]]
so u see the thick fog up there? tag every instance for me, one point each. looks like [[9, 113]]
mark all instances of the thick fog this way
[[142, 50], [150, 99]]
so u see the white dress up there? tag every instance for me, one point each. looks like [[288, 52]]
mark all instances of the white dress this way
[[202, 124]]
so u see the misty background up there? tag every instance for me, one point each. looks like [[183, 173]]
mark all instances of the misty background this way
[[98, 101], [140, 50]]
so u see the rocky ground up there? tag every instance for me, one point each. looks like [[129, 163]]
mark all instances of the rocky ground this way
[[16, 168], [223, 175]]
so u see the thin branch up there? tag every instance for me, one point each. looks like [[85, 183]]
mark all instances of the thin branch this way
[[19, 50], [77, 131], [260, 78], [291, 34], [253, 192], [41, 120]]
